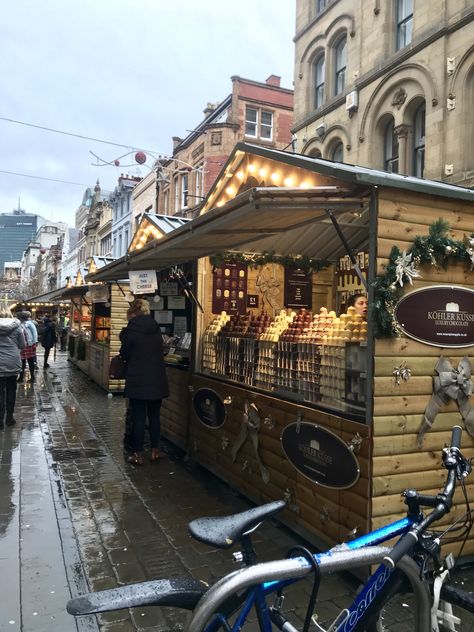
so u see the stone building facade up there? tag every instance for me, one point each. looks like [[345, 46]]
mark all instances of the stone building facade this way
[[387, 84], [121, 203], [260, 113]]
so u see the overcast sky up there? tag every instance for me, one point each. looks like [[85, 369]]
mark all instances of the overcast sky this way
[[134, 72]]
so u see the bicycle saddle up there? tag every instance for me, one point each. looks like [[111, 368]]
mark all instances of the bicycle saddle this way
[[223, 532], [175, 593]]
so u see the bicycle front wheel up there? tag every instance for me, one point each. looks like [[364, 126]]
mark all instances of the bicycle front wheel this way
[[392, 609]]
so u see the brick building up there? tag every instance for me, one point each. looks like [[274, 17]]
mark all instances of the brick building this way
[[261, 113], [386, 84]]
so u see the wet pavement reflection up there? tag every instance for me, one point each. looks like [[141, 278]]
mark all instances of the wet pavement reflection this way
[[75, 517]]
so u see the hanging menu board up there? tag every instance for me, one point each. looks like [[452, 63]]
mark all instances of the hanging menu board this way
[[229, 289], [298, 288]]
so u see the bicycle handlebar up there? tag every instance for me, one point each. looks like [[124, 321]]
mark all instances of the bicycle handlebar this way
[[442, 503], [456, 434]]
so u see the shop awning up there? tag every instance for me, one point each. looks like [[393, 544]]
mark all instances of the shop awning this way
[[280, 220], [74, 290], [47, 299]]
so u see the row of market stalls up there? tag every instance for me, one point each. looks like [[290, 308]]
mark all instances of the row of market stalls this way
[[279, 387]]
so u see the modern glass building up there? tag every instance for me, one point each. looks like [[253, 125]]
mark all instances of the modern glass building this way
[[17, 229]]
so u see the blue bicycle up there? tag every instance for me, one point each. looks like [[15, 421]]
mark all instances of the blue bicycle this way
[[413, 565]]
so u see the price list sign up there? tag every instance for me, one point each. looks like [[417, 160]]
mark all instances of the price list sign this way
[[229, 289], [298, 288]]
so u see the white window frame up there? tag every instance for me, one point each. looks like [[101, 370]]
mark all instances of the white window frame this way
[[258, 125], [176, 193], [320, 63], [404, 22], [254, 124], [184, 190], [339, 69], [199, 183]]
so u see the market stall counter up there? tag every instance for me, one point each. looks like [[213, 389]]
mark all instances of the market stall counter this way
[[295, 393]]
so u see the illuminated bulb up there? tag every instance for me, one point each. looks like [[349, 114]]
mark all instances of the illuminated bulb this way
[[262, 172], [288, 182], [240, 175], [305, 185], [275, 177], [230, 190], [251, 168]]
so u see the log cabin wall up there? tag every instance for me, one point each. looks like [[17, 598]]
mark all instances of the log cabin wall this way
[[174, 410], [398, 409], [325, 516], [118, 320]]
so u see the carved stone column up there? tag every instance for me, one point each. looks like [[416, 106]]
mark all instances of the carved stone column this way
[[401, 132]]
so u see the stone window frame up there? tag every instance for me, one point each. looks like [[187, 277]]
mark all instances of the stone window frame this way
[[419, 142], [340, 71], [390, 142], [336, 146], [318, 101]]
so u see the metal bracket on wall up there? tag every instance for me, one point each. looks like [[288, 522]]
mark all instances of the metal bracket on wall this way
[[348, 249]]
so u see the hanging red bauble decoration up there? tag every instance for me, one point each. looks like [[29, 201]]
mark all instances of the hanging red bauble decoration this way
[[140, 157], [117, 163]]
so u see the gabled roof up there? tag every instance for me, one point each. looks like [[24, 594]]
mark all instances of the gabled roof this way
[[97, 262], [346, 173], [154, 226]]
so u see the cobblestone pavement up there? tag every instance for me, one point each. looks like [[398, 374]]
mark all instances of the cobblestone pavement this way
[[75, 517]]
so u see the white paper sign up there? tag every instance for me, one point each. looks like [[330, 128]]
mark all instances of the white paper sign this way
[[179, 326], [143, 281], [176, 302], [168, 288], [164, 317]]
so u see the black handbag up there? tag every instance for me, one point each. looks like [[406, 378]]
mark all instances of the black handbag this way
[[117, 368]]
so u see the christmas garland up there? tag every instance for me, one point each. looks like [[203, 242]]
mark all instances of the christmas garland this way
[[436, 249], [254, 260]]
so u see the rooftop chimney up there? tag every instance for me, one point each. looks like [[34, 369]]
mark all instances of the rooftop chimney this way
[[210, 107], [176, 141], [273, 80]]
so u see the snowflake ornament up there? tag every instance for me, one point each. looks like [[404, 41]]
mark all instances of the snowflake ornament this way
[[470, 251], [405, 268]]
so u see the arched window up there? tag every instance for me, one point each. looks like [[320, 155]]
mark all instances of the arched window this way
[[404, 22], [340, 55], [419, 141], [390, 148], [319, 71], [337, 153]]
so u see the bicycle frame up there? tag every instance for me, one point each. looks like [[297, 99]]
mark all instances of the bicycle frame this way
[[268, 578]]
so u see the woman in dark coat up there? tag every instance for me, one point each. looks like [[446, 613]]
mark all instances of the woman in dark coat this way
[[146, 383]]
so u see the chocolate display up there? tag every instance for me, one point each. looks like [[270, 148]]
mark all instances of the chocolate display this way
[[296, 352]]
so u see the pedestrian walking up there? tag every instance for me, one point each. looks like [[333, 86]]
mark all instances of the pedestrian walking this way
[[48, 338], [146, 383], [28, 353], [12, 340]]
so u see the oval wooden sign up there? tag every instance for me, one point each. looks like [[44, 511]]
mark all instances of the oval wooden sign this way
[[320, 455], [209, 408], [440, 315]]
